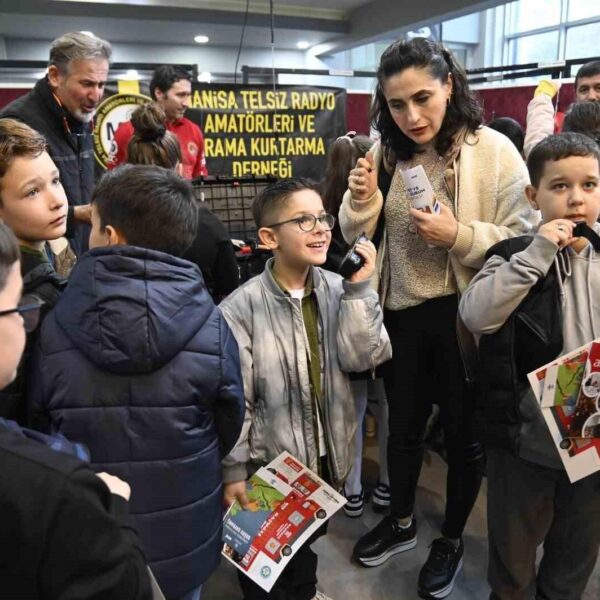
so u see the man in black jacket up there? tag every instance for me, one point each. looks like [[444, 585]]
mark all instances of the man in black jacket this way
[[61, 106], [64, 529]]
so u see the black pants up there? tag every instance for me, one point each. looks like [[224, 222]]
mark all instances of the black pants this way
[[425, 369], [529, 505], [298, 581]]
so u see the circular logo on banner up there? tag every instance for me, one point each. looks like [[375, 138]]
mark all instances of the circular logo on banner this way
[[113, 111]]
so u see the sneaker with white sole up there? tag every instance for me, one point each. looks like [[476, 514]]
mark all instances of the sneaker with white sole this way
[[437, 577], [382, 497], [383, 541], [355, 504]]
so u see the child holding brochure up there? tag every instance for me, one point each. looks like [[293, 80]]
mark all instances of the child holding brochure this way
[[536, 299], [300, 329]]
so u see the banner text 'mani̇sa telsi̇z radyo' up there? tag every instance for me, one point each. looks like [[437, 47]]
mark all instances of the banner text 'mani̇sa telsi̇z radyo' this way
[[256, 130]]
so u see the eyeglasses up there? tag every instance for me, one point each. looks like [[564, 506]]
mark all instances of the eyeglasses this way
[[309, 222], [29, 308]]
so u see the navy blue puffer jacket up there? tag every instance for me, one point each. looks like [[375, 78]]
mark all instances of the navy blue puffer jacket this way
[[137, 363]]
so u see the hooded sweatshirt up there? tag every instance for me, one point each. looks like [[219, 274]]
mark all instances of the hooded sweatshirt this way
[[137, 363], [498, 289]]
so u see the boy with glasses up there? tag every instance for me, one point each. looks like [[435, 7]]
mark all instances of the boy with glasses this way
[[300, 329], [34, 205]]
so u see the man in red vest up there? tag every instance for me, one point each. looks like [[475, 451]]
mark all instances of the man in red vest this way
[[171, 89]]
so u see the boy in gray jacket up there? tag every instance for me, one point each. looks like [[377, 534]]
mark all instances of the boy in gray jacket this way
[[537, 298], [300, 329]]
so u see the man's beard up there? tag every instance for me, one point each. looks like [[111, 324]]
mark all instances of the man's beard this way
[[84, 117]]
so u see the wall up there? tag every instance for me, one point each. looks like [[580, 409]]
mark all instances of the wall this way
[[213, 59]]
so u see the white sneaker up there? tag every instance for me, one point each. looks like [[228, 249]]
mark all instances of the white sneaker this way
[[321, 596]]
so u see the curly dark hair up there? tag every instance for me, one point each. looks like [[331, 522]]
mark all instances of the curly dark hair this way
[[463, 110]]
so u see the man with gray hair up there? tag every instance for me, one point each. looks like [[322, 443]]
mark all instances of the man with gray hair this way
[[61, 106]]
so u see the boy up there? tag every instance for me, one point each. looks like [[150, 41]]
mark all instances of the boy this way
[[64, 531], [137, 363], [298, 328], [535, 299], [33, 204]]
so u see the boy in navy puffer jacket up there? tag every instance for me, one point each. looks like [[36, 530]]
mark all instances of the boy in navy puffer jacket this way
[[137, 362]]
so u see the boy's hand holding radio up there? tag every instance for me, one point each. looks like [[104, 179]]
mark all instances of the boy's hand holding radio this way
[[362, 181], [359, 262], [367, 251]]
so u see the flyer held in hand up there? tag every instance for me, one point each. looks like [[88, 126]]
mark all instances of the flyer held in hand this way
[[287, 504]]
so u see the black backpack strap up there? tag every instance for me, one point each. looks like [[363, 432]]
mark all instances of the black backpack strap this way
[[384, 180], [506, 248]]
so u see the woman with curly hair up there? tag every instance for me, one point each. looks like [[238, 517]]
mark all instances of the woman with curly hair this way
[[427, 116]]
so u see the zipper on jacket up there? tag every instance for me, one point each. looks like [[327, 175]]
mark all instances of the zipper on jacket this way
[[533, 327]]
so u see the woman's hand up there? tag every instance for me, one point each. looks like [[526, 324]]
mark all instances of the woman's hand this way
[[369, 253], [436, 230], [362, 181]]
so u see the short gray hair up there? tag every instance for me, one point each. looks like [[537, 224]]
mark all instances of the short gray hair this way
[[77, 46]]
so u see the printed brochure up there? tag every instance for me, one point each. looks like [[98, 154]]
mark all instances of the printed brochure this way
[[288, 503], [568, 390]]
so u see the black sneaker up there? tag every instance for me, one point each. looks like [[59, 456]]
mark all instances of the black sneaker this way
[[436, 579], [385, 540]]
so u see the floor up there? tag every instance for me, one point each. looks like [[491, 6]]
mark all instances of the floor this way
[[396, 579]]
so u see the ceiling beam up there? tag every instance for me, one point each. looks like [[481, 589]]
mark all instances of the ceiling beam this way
[[381, 18], [164, 12]]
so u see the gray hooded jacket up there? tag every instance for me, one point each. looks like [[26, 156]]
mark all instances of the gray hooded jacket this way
[[268, 326]]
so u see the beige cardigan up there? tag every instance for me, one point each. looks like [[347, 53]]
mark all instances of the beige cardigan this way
[[490, 205]]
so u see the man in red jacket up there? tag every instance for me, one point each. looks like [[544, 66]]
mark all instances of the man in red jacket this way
[[171, 89]]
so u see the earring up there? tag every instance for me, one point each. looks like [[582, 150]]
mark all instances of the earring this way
[[448, 100]]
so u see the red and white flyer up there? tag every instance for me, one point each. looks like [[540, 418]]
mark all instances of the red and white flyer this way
[[287, 504], [570, 404]]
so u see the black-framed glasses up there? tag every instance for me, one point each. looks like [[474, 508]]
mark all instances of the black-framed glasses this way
[[29, 308], [309, 222]]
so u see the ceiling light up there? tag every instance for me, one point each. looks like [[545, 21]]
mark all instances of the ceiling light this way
[[302, 45], [201, 39], [131, 75], [205, 77]]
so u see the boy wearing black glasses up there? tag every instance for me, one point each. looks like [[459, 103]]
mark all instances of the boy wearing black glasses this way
[[34, 205], [299, 330]]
